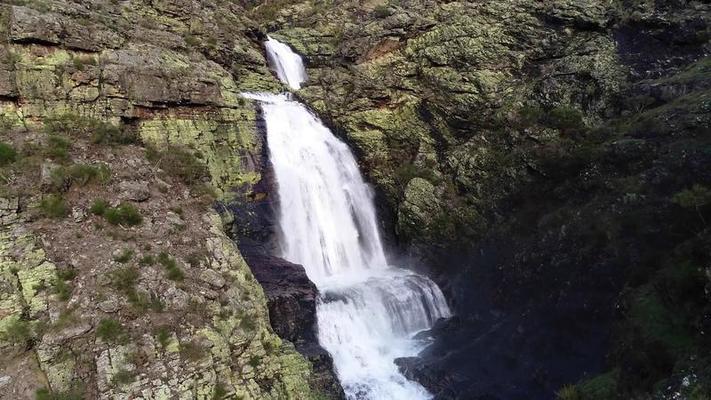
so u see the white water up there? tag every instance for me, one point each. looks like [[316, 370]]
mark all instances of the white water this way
[[368, 310]]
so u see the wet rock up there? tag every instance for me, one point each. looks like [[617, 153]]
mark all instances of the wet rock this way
[[291, 299], [291, 296]]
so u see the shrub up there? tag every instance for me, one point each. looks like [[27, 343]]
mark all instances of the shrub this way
[[18, 333], [247, 323], [99, 207], [173, 272], [111, 134], [192, 351], [144, 301], [123, 377], [566, 119], [124, 257], [8, 154], [57, 147], [567, 392], [124, 214], [75, 393], [54, 206], [110, 330], [147, 260], [85, 173], [382, 11], [180, 162], [254, 361], [62, 289], [163, 337], [98, 131], [220, 391], [124, 278]]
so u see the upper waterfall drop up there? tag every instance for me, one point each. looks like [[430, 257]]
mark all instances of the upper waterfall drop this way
[[288, 65], [368, 311]]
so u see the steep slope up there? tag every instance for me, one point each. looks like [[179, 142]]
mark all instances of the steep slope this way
[[121, 124], [545, 159]]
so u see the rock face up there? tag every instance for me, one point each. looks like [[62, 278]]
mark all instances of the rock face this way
[[77, 320], [291, 299], [543, 158]]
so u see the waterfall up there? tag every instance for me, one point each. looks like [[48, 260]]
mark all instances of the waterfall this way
[[368, 311]]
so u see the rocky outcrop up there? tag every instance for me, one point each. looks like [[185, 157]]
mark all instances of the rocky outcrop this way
[[526, 150], [291, 299], [94, 313]]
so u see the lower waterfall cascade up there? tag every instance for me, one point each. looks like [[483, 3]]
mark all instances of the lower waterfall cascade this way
[[368, 311]]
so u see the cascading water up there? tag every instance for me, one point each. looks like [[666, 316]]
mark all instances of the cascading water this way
[[368, 311]]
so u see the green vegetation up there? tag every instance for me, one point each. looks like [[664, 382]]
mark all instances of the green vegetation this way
[[99, 207], [84, 173], [147, 260], [254, 361], [163, 337], [75, 393], [57, 147], [123, 377], [81, 62], [220, 391], [602, 387], [110, 330], [125, 256], [173, 272], [566, 119], [99, 132], [125, 214], [694, 198], [8, 154], [568, 392], [192, 351], [18, 333], [247, 324], [179, 162], [62, 289], [54, 206], [124, 279]]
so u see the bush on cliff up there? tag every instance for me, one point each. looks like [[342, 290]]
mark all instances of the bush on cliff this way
[[54, 206], [124, 214], [8, 154], [99, 132]]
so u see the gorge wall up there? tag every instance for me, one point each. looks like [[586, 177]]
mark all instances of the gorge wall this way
[[121, 124], [546, 162]]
